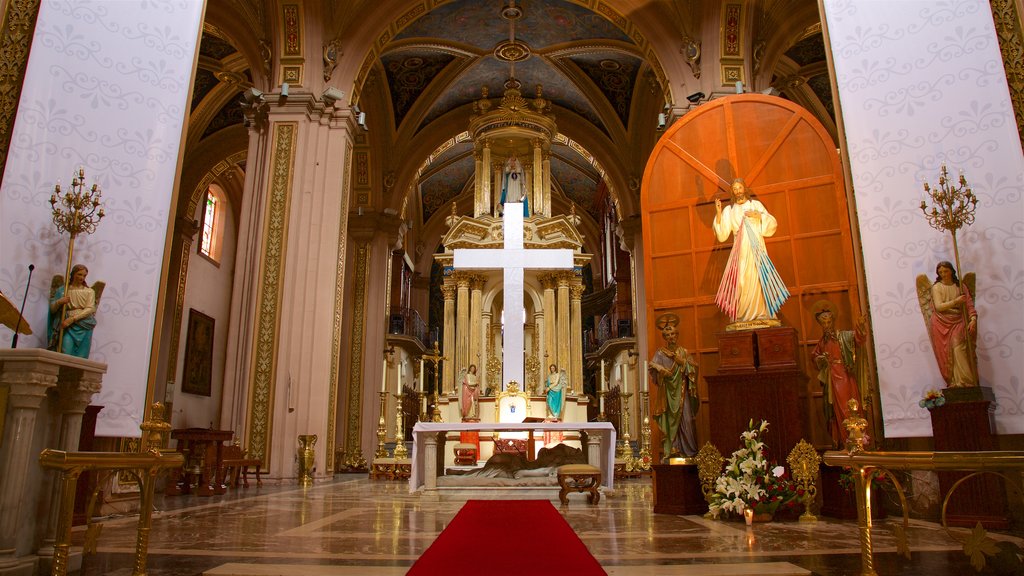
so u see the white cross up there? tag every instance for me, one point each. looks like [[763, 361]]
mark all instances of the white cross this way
[[513, 259]]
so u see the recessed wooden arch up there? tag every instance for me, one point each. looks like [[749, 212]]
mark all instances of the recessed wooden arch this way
[[790, 163]]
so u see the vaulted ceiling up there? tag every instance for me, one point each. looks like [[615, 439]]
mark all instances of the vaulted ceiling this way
[[582, 62], [431, 66]]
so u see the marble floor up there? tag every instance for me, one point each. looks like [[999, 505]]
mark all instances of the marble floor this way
[[354, 526]]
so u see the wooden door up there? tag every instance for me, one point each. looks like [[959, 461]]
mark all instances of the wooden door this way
[[790, 164]]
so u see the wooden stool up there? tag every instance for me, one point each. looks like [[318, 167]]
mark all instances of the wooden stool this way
[[579, 478], [465, 454]]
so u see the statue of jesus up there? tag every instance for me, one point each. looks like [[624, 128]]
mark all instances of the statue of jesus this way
[[751, 291]]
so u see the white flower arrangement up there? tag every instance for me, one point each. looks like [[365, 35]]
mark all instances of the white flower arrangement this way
[[748, 482]]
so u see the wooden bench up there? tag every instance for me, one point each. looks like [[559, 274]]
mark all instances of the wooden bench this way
[[237, 463], [579, 478]]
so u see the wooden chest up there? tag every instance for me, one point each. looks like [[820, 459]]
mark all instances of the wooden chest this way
[[777, 348], [736, 351]]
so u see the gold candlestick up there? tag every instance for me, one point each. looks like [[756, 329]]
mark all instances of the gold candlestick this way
[[644, 460], [624, 450], [401, 453], [382, 428], [79, 212]]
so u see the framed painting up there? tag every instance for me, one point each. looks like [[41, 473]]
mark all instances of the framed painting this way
[[197, 375]]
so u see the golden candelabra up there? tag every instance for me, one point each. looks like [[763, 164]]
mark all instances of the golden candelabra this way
[[382, 428], [401, 453], [804, 463], [77, 211], [953, 207]]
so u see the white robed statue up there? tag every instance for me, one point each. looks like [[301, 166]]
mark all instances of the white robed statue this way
[[513, 184], [751, 292]]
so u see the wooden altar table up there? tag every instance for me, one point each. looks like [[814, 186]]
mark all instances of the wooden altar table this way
[[600, 449]]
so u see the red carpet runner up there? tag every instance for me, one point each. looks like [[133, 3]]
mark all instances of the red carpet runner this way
[[515, 537]]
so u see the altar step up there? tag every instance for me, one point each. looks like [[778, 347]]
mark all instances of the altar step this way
[[735, 569]]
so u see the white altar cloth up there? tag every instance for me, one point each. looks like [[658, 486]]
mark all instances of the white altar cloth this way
[[600, 449]]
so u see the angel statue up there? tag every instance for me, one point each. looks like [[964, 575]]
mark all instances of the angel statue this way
[[469, 403], [952, 322], [554, 390], [72, 316]]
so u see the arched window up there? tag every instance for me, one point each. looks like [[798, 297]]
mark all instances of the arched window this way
[[212, 223]]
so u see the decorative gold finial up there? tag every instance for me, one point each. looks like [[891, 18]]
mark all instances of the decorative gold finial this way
[[155, 428], [855, 425]]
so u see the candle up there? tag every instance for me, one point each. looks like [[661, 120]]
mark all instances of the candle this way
[[647, 375], [400, 383], [603, 388], [625, 379], [421, 375], [602, 403], [748, 516], [384, 377]]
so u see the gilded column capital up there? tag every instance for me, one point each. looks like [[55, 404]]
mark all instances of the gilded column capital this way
[[548, 280], [576, 291], [562, 279], [462, 279], [477, 281], [448, 291]]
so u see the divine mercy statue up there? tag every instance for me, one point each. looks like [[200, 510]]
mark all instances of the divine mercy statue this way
[[952, 321], [72, 316], [751, 292], [674, 393]]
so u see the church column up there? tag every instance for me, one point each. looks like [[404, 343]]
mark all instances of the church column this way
[[563, 323], [448, 348], [537, 188], [496, 168], [485, 181], [630, 232], [540, 324], [546, 184], [549, 352], [485, 348], [461, 321], [478, 188], [576, 327], [477, 282], [283, 364]]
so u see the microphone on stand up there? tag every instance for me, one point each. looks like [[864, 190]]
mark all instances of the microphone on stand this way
[[14, 341]]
